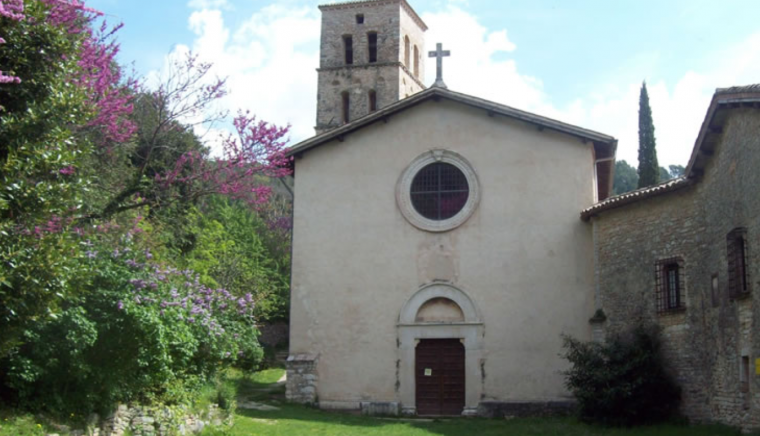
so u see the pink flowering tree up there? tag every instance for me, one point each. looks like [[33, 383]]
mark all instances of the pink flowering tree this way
[[58, 91], [168, 163], [66, 113]]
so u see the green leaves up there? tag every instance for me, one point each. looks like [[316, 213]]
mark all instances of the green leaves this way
[[232, 251], [621, 382], [649, 169]]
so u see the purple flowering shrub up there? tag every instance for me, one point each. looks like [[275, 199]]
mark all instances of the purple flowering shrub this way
[[137, 331]]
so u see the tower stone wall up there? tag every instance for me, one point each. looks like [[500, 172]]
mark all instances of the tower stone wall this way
[[388, 75]]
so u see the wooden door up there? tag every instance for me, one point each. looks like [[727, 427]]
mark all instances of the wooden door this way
[[439, 375]]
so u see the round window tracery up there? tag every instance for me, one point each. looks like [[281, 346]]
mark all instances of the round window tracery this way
[[438, 191]]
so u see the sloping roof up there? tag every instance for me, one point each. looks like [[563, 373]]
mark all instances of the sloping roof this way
[[604, 145], [638, 194], [438, 93], [712, 128]]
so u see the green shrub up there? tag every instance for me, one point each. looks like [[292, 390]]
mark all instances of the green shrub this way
[[622, 382], [225, 397], [137, 331]]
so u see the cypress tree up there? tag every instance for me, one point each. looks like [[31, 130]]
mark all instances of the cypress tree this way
[[649, 169]]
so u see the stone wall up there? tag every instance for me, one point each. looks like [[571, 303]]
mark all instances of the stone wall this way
[[302, 379], [387, 77], [358, 81], [151, 421], [704, 343]]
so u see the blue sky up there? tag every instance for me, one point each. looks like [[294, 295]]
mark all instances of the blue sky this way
[[580, 61]]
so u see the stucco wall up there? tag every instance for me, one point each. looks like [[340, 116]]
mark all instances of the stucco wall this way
[[703, 345], [523, 257]]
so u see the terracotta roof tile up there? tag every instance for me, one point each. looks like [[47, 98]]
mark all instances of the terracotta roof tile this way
[[739, 89], [639, 194]]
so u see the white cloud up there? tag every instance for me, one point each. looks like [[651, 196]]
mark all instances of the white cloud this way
[[472, 68], [270, 61], [478, 66], [677, 110], [209, 4]]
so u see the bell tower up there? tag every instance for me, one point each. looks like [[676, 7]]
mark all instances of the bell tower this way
[[371, 55]]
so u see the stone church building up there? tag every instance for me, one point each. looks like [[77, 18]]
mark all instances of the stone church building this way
[[442, 243]]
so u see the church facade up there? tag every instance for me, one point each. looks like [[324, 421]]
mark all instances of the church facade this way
[[443, 243]]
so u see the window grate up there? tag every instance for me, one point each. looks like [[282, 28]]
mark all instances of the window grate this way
[[669, 284], [737, 252], [439, 191]]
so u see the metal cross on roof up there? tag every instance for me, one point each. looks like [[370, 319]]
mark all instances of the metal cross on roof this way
[[439, 54]]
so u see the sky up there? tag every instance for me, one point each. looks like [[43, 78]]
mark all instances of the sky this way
[[578, 61]]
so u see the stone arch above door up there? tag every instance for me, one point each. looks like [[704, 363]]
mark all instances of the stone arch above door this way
[[468, 328], [427, 293]]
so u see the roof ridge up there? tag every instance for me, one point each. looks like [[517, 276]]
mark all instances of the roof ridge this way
[[739, 89], [532, 114], [519, 114], [637, 194]]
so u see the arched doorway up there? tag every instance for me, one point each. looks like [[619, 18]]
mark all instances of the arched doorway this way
[[440, 336]]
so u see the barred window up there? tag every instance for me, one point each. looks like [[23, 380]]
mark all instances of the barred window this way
[[439, 191], [669, 283], [738, 274]]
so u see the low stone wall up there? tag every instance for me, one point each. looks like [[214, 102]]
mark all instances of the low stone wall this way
[[302, 379], [150, 421]]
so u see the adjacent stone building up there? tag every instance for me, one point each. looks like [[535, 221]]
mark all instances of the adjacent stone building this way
[[686, 255], [438, 251]]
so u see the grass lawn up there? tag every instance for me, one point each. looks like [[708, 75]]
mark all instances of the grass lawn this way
[[12, 424], [295, 420]]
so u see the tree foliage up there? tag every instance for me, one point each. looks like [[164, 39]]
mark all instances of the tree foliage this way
[[108, 201], [60, 94], [676, 171], [242, 252], [138, 330], [621, 382], [649, 169], [626, 178]]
